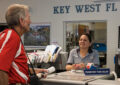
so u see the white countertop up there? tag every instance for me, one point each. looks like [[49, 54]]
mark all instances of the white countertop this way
[[104, 82], [69, 77]]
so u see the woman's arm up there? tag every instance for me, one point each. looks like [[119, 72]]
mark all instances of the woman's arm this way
[[70, 61], [75, 66], [69, 67]]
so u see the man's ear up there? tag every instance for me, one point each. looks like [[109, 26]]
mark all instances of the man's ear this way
[[22, 21]]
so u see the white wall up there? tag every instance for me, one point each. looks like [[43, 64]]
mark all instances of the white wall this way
[[42, 11]]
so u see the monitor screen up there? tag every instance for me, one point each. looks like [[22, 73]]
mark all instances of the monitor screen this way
[[39, 35]]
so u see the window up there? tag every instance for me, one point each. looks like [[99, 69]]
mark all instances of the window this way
[[98, 31]]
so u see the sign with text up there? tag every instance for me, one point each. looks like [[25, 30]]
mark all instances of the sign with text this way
[[87, 8]]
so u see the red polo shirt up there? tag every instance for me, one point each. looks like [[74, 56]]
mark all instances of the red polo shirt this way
[[13, 59]]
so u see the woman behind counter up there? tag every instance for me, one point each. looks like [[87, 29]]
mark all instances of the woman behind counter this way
[[80, 57]]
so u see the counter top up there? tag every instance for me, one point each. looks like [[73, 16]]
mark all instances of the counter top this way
[[70, 78], [104, 82]]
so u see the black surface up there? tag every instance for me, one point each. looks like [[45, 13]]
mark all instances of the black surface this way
[[117, 65]]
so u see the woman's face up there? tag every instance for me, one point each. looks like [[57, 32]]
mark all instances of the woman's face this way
[[84, 42]]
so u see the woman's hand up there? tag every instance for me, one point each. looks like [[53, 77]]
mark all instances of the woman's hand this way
[[78, 66]]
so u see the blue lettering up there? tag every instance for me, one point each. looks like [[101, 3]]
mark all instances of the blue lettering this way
[[55, 10], [110, 6], [88, 8], [61, 9], [92, 9], [67, 9], [79, 8], [98, 7], [113, 7]]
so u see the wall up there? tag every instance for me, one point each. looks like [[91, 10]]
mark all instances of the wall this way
[[43, 11]]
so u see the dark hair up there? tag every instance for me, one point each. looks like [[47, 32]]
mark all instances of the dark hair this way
[[89, 37], [90, 40]]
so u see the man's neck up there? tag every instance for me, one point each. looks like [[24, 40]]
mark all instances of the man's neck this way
[[18, 30]]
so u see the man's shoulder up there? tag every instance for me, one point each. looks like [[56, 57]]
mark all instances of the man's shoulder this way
[[8, 31], [12, 34]]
